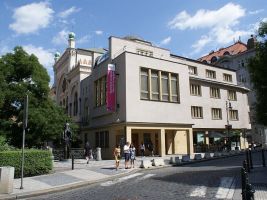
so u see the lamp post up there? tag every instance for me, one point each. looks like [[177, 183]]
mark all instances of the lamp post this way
[[228, 126]]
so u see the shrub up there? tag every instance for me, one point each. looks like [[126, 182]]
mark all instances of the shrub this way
[[36, 162]]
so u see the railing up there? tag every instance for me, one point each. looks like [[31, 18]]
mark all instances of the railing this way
[[78, 153]]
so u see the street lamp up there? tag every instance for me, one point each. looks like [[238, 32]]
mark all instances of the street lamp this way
[[228, 126]]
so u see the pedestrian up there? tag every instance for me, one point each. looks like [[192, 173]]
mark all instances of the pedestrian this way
[[126, 150], [132, 155], [87, 151], [117, 155], [151, 148], [142, 149]]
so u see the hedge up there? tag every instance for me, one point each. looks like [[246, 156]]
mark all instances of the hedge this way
[[36, 162]]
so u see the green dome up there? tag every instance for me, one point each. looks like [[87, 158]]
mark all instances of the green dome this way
[[71, 35], [57, 54]]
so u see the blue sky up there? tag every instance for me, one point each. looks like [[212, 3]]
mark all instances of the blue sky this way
[[188, 28]]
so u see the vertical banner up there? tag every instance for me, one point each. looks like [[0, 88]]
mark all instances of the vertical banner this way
[[111, 93]]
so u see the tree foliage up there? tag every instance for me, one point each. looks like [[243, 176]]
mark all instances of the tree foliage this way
[[21, 74], [258, 70]]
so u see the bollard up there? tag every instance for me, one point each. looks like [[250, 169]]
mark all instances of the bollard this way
[[72, 162], [263, 158], [243, 183], [245, 165], [250, 159], [249, 192]]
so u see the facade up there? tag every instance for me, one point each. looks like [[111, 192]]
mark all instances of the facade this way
[[179, 105], [236, 57], [69, 70]]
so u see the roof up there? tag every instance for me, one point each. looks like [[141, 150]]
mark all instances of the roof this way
[[234, 49]]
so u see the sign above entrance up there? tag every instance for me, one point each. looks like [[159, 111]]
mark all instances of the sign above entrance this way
[[111, 93]]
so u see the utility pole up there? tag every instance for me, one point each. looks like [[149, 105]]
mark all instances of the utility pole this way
[[25, 122]]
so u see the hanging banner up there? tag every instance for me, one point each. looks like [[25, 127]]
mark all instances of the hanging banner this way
[[111, 93]]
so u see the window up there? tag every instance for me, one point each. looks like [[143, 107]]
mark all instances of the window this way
[[165, 86], [159, 85], [227, 77], [233, 115], [232, 95], [102, 139], [242, 78], [196, 112], [75, 104], [144, 52], [213, 59], [195, 90], [216, 113], [100, 91], [215, 93], [144, 84], [192, 70], [174, 88], [210, 74], [155, 85]]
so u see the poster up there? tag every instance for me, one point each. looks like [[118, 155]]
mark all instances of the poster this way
[[111, 93]]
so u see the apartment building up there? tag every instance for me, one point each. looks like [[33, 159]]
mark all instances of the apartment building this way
[[138, 92]]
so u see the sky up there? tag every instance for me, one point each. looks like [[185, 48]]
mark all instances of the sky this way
[[189, 28]]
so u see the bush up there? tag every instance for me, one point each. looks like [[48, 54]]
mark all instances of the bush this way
[[36, 162], [4, 145]]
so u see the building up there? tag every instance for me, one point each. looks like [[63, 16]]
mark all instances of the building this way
[[177, 104], [236, 57]]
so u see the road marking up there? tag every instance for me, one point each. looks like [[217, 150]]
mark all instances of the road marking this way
[[232, 190], [119, 180], [200, 191], [224, 188], [147, 176]]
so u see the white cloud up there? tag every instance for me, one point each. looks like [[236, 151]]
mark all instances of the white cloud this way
[[68, 12], [255, 12], [201, 43], [31, 17], [61, 38], [45, 57], [4, 49], [99, 32], [84, 39], [228, 15], [166, 41]]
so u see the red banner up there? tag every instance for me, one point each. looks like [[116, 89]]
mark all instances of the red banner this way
[[111, 92]]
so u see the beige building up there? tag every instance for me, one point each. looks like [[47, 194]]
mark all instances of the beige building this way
[[179, 105]]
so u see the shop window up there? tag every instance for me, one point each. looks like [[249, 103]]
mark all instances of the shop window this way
[[102, 139]]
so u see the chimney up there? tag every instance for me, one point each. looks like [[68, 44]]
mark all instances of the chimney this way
[[71, 40], [251, 44]]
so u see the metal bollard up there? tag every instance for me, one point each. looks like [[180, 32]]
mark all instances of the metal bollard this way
[[245, 165], [72, 162], [250, 159], [249, 192], [263, 158], [243, 183]]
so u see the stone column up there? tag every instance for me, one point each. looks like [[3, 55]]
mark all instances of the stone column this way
[[190, 141], [128, 134], [175, 142], [162, 143]]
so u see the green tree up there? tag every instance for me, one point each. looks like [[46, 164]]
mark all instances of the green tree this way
[[21, 74], [258, 70]]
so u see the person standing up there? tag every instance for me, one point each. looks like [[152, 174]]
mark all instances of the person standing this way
[[126, 150], [132, 155], [117, 155], [87, 151], [142, 149]]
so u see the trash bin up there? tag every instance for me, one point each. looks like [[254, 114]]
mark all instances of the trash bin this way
[[6, 179], [98, 154]]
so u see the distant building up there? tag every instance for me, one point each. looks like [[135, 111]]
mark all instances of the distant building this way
[[236, 57]]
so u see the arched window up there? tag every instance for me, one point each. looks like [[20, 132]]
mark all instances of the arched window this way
[[213, 59], [204, 61], [226, 53], [75, 106]]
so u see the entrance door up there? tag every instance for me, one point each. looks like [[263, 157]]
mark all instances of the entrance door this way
[[135, 142]]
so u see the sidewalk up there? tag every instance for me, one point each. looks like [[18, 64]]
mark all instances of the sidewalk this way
[[64, 178]]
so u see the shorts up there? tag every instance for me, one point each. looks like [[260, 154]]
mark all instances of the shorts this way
[[127, 156]]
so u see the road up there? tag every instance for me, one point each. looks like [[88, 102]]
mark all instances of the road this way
[[215, 179]]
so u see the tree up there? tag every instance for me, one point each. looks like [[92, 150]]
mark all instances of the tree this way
[[258, 70], [21, 74]]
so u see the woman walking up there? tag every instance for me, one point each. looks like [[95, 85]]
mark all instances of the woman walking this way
[[87, 151], [117, 154], [132, 155]]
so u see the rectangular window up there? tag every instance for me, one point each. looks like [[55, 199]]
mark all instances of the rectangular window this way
[[196, 112], [155, 85], [216, 113], [210, 74], [195, 90], [232, 95], [192, 70], [227, 77], [100, 91], [215, 93], [144, 84], [102, 139], [144, 52], [233, 115], [165, 86], [174, 88]]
